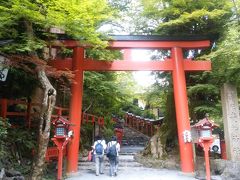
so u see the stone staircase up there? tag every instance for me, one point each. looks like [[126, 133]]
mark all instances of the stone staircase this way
[[131, 137], [132, 143], [129, 168], [125, 162]]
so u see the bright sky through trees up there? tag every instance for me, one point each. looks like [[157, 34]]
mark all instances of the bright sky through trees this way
[[143, 78]]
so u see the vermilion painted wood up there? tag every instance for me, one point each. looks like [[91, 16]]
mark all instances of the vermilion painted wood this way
[[177, 65], [206, 144], [93, 65], [181, 105], [16, 113], [190, 65], [61, 64], [28, 115], [75, 112], [4, 108], [61, 144], [126, 65], [140, 44]]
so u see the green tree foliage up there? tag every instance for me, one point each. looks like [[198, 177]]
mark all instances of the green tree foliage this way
[[15, 144], [28, 24], [226, 56], [204, 98], [3, 134], [78, 19], [108, 93], [185, 17], [155, 96]]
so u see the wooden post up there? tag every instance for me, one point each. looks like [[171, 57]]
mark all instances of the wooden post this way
[[76, 109], [4, 108], [28, 118], [181, 104]]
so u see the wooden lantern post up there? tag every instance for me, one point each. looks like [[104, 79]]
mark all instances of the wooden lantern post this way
[[205, 139], [61, 138]]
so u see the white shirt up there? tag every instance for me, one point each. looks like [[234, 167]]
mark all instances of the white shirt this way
[[117, 146], [103, 142]]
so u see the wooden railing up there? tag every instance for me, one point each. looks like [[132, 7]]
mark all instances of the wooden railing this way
[[146, 126], [28, 112], [8, 110], [89, 118]]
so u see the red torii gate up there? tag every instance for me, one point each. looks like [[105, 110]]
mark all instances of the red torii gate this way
[[176, 64]]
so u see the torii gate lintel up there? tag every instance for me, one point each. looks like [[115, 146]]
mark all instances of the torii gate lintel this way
[[127, 65]]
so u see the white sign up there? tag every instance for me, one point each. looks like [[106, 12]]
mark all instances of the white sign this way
[[187, 137], [3, 74], [3, 70]]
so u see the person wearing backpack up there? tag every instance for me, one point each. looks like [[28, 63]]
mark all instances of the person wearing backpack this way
[[99, 147], [113, 149]]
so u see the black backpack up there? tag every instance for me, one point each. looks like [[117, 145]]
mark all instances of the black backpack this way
[[112, 151], [99, 148]]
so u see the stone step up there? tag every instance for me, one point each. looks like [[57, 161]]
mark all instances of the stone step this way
[[106, 169], [125, 161], [134, 141], [106, 160], [123, 158], [121, 164]]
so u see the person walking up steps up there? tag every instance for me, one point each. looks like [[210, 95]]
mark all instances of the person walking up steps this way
[[113, 149], [99, 147]]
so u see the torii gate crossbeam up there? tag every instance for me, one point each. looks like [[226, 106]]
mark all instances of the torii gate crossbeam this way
[[176, 64]]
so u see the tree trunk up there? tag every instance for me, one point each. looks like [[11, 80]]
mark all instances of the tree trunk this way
[[48, 103], [155, 148], [165, 140]]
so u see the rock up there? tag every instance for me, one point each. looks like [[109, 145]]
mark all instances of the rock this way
[[12, 173], [2, 173], [200, 174], [156, 147], [218, 166], [18, 178], [8, 178], [171, 164], [229, 170]]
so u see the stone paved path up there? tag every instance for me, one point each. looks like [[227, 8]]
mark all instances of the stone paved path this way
[[129, 169]]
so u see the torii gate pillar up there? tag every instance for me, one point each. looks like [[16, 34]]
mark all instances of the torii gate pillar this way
[[76, 109], [181, 105]]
